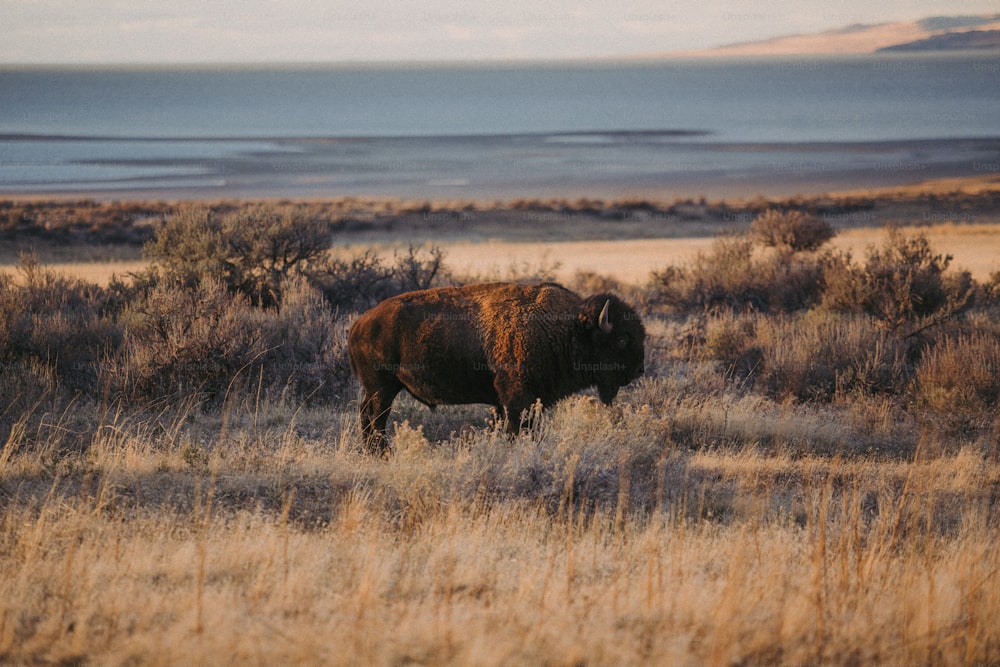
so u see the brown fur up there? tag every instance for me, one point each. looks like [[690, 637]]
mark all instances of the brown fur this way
[[502, 344]]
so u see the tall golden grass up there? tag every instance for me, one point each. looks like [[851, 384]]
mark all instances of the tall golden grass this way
[[623, 536]]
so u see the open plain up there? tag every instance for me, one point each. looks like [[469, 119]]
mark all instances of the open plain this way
[[808, 473]]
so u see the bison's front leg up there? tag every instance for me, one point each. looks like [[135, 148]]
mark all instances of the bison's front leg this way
[[520, 412]]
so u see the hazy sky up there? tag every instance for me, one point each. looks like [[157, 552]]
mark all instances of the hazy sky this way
[[144, 31]]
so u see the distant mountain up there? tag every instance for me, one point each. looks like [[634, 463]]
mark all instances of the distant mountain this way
[[952, 41], [943, 23], [930, 34]]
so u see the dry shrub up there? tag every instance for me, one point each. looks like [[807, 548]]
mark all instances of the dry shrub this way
[[822, 357], [55, 321], [991, 290], [731, 340], [733, 276], [791, 231], [54, 335], [28, 388], [305, 346], [210, 320], [211, 342], [900, 284], [355, 284], [248, 251], [796, 282], [958, 382], [181, 342], [809, 357], [362, 281], [724, 277], [419, 269]]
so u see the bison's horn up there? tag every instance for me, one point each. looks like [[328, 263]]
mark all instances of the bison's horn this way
[[602, 320]]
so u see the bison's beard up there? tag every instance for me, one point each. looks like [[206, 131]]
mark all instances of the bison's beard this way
[[607, 393]]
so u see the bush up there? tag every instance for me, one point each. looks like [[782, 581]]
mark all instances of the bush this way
[[807, 357], [305, 346], [249, 252], [731, 340], [361, 282], [355, 284], [418, 269], [58, 322], [732, 276], [727, 276], [991, 290], [899, 284], [210, 343], [225, 309], [958, 382], [820, 357], [790, 231], [182, 342]]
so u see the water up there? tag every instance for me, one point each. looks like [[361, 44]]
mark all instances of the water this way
[[482, 130]]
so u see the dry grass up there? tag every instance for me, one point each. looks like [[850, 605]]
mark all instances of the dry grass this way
[[600, 538], [778, 489]]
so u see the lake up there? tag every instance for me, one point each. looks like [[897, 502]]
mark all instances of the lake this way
[[489, 130]]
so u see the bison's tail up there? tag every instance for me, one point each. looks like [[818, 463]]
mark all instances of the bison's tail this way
[[350, 351]]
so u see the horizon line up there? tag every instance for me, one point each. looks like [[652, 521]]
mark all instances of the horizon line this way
[[707, 55]]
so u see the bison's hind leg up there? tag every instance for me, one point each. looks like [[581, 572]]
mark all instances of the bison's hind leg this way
[[374, 411]]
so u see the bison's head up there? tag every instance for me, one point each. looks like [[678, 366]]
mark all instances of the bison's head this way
[[613, 343]]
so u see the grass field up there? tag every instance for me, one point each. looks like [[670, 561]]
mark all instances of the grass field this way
[[813, 486], [661, 532]]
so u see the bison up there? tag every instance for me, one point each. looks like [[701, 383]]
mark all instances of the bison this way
[[503, 344]]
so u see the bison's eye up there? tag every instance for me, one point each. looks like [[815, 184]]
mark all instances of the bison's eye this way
[[622, 342]]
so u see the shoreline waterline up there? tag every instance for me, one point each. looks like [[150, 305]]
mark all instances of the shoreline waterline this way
[[592, 164]]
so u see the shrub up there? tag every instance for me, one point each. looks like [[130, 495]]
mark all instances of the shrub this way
[[958, 382], [418, 269], [991, 290], [732, 276], [731, 340], [57, 322], [212, 343], [807, 357], [355, 284], [27, 386], [821, 357], [247, 251], [305, 346], [189, 246], [726, 276], [790, 231], [899, 284], [183, 341], [363, 281]]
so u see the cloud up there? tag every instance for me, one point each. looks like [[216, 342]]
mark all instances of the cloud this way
[[287, 30], [159, 25]]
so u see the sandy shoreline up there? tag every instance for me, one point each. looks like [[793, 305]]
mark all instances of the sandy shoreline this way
[[974, 248]]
